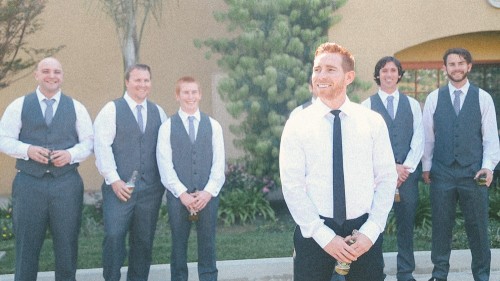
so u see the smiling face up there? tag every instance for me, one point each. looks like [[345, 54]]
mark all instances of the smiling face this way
[[188, 96], [389, 77], [457, 69], [329, 79], [49, 75], [138, 85]]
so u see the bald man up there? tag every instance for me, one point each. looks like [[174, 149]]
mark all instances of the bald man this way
[[49, 134]]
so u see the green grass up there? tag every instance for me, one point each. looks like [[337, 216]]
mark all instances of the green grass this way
[[258, 240], [261, 239]]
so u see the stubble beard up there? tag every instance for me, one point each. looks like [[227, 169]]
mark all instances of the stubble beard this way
[[463, 77]]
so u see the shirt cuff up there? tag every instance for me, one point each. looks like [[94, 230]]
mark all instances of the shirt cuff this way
[[24, 148], [212, 189], [323, 236], [112, 177], [371, 230], [488, 165]]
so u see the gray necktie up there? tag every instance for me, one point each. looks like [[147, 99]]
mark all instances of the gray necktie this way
[[49, 111], [192, 134], [139, 118], [456, 101], [390, 106]]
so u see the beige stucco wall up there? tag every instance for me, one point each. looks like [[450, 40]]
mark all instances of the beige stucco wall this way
[[93, 65], [373, 29], [92, 62]]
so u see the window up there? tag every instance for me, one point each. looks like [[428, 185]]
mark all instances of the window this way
[[419, 82]]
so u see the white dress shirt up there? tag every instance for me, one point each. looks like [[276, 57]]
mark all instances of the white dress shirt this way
[[105, 132], [11, 124], [417, 141], [164, 157], [300, 108], [306, 169], [491, 151]]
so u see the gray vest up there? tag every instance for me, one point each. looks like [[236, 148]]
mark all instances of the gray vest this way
[[400, 129], [61, 134], [134, 150], [192, 162], [306, 104], [458, 138]]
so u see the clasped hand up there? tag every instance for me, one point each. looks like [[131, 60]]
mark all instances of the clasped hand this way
[[42, 155], [340, 249], [196, 201]]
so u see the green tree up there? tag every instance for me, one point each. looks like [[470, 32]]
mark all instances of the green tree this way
[[268, 61], [18, 20]]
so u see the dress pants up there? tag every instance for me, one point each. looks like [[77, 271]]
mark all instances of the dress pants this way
[[405, 211], [137, 217], [41, 203], [448, 187], [205, 230], [312, 263]]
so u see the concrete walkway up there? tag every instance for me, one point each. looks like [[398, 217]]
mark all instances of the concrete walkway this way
[[280, 269]]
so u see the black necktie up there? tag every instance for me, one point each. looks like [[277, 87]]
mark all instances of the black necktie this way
[[339, 213]]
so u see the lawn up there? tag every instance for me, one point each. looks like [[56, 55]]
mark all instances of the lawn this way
[[260, 239]]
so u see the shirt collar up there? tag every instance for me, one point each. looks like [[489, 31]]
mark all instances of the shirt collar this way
[[184, 115], [383, 95], [132, 104], [41, 96], [324, 110], [464, 88]]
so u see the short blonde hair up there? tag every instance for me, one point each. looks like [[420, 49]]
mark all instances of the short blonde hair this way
[[185, 79]]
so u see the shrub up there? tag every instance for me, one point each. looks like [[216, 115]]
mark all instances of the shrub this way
[[243, 206], [6, 228], [495, 202], [242, 198], [423, 214], [238, 177]]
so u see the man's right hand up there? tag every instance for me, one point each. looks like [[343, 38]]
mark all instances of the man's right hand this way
[[188, 200], [340, 250], [427, 177], [121, 190], [39, 154]]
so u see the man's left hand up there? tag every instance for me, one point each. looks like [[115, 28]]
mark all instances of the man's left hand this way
[[362, 243], [488, 173], [60, 157], [202, 199]]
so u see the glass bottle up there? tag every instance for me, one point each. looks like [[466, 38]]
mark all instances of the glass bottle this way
[[397, 197], [193, 215], [481, 180], [131, 182], [342, 268]]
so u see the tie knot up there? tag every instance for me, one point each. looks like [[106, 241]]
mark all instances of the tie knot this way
[[336, 112], [390, 98], [49, 102], [190, 118], [139, 107], [457, 92]]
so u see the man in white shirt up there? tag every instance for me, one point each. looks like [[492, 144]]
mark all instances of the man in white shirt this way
[[191, 160], [306, 104], [49, 134], [126, 133], [461, 146], [328, 207], [403, 117]]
